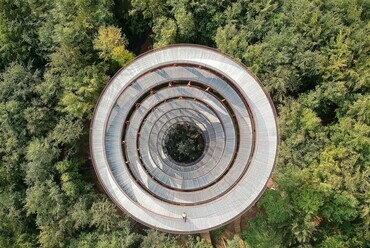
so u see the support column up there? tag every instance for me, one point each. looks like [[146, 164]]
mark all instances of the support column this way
[[237, 226], [207, 237], [238, 231]]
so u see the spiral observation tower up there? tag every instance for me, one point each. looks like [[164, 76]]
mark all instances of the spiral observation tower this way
[[184, 86]]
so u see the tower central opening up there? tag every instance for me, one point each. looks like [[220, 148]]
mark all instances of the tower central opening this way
[[184, 143]]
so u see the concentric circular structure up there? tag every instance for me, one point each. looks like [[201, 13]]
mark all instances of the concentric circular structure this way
[[184, 85]]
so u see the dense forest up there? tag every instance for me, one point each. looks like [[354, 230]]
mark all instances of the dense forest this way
[[57, 56]]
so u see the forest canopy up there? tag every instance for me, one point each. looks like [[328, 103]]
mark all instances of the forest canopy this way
[[57, 56]]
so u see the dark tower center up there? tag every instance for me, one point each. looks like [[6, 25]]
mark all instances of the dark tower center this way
[[184, 143]]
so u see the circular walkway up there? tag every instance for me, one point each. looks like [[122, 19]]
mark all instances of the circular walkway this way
[[203, 88]]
